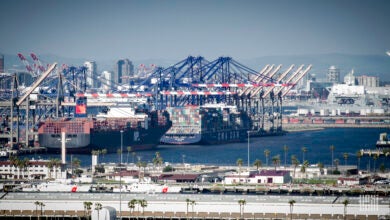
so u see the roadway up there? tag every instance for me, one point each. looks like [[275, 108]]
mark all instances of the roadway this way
[[368, 205]]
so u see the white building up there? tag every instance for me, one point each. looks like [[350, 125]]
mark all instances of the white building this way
[[108, 78], [91, 74], [34, 169], [262, 177]]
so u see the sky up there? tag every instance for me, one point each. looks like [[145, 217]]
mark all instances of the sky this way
[[158, 29]]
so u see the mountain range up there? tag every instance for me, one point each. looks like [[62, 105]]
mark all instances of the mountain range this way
[[371, 65]]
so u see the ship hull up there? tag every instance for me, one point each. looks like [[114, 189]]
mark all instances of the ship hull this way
[[209, 138], [141, 139]]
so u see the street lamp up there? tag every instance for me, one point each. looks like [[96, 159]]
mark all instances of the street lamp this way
[[248, 150], [120, 178]]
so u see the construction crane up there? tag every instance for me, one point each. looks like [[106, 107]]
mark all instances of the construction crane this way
[[37, 63], [27, 64]]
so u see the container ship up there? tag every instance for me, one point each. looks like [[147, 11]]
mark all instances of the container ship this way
[[208, 124], [142, 130]]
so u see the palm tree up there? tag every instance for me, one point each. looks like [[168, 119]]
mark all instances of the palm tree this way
[[336, 162], [242, 203], [87, 208], [103, 152], [285, 149], [321, 166], [332, 151], [276, 160], [36, 203], [239, 163], [266, 153], [75, 163], [157, 160], [133, 154], [131, 204], [304, 150], [128, 152], [304, 166], [24, 165], [345, 202], [119, 152], [50, 166], [375, 157], [359, 156], [98, 207], [143, 203], [291, 202], [188, 201], [345, 155], [193, 203], [257, 163], [295, 162]]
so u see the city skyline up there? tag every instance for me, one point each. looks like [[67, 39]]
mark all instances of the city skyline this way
[[101, 30]]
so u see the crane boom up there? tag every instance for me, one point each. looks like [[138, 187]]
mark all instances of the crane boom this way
[[297, 79], [291, 77], [36, 84], [257, 78], [270, 76], [278, 80]]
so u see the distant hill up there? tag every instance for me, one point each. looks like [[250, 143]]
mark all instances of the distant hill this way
[[373, 65]]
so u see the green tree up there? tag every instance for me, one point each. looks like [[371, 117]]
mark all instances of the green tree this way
[[131, 204], [332, 151], [258, 164], [382, 168], [239, 163], [128, 152], [36, 203], [103, 152], [321, 166], [359, 156], [304, 166], [119, 152], [188, 201], [87, 208], [133, 154], [98, 207], [345, 155], [345, 202], [304, 150], [143, 203], [336, 162], [375, 157], [242, 203], [295, 162], [291, 202], [285, 149], [157, 160], [266, 153], [276, 160]]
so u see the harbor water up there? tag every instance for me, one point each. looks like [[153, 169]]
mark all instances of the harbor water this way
[[317, 143]]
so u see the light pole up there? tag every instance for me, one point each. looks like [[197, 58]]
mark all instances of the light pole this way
[[248, 150], [120, 178]]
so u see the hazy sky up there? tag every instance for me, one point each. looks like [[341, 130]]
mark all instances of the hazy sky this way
[[100, 29]]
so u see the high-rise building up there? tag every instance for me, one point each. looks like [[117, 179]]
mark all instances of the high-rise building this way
[[1, 63], [108, 79], [91, 74], [333, 74], [368, 81], [124, 70]]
